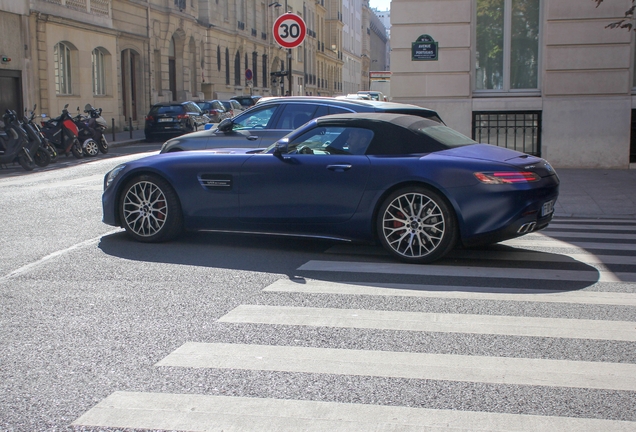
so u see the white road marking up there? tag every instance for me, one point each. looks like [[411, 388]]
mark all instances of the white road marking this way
[[448, 367], [433, 322], [223, 413], [314, 286]]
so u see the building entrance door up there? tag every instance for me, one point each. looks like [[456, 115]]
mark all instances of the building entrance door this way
[[10, 91]]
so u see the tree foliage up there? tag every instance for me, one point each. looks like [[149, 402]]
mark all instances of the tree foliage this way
[[627, 22]]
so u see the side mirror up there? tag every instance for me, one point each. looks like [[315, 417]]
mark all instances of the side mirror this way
[[281, 147], [226, 125]]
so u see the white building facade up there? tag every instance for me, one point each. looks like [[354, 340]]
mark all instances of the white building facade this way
[[541, 76]]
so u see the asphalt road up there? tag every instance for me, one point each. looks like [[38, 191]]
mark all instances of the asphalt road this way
[[235, 332]]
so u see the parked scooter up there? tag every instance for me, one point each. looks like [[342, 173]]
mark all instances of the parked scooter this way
[[37, 147], [99, 125], [29, 121], [62, 132], [12, 143], [85, 135]]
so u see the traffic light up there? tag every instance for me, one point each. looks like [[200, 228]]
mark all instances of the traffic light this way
[[6, 59]]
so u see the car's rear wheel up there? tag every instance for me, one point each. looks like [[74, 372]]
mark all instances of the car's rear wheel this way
[[149, 209], [417, 225]]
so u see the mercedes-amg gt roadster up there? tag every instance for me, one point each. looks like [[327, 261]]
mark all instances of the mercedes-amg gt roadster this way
[[410, 183]]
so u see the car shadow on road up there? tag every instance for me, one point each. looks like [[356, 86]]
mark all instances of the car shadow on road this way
[[496, 268]]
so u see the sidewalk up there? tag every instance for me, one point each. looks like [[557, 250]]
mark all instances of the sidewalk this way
[[125, 138], [585, 193]]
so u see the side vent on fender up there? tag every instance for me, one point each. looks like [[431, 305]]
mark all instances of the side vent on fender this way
[[216, 181]]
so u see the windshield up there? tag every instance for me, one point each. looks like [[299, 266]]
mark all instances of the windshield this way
[[444, 135]]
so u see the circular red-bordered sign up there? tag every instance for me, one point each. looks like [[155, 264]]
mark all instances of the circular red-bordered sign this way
[[289, 30]]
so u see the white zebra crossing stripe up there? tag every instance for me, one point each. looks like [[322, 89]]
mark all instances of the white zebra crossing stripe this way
[[448, 367], [589, 227], [223, 413], [578, 245], [456, 271], [312, 286], [590, 235], [433, 322]]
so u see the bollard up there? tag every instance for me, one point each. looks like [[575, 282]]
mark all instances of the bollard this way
[[130, 126], [113, 129]]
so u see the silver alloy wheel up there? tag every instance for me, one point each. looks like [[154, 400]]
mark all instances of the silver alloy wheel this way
[[145, 208], [91, 148], [413, 225]]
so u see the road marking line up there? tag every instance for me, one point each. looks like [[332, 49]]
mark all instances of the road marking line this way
[[55, 254], [136, 410], [445, 367], [583, 227], [549, 242], [313, 286], [457, 271], [433, 322]]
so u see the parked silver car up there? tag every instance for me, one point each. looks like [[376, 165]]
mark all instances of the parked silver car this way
[[268, 121]]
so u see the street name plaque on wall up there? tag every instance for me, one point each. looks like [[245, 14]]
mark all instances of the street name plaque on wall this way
[[424, 48]]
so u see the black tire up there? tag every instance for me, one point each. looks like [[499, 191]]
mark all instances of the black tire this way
[[76, 149], [91, 148], [25, 162], [103, 144], [149, 210], [42, 157], [51, 149], [417, 225]]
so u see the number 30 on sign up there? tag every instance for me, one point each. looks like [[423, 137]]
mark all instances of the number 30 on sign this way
[[289, 30]]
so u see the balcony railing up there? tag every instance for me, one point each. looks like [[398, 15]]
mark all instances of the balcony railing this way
[[94, 7]]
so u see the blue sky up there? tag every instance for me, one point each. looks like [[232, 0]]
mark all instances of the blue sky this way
[[380, 4]]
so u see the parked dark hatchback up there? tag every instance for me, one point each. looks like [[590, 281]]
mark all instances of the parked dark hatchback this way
[[173, 118], [246, 101], [215, 110], [270, 120]]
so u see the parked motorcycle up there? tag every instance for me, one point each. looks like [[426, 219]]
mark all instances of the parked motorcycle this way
[[63, 133], [99, 125], [36, 144], [30, 121], [12, 143]]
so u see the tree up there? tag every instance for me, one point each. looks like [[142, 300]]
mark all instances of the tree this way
[[628, 20]]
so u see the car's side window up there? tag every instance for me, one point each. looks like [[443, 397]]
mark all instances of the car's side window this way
[[328, 140], [337, 110], [295, 115], [254, 119]]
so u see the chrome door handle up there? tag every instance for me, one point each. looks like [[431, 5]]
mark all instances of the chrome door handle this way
[[339, 168], [252, 137]]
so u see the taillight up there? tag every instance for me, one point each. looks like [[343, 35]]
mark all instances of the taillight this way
[[214, 112], [150, 118], [182, 116], [507, 177]]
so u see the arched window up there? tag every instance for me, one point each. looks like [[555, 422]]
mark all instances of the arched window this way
[[99, 76], [265, 82], [255, 68], [227, 66], [237, 69], [62, 64]]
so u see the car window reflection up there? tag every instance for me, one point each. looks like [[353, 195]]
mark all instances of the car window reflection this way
[[332, 140]]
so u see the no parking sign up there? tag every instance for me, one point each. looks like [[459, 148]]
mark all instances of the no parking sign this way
[[289, 30]]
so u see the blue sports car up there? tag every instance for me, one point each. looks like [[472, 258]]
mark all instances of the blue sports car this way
[[412, 184]]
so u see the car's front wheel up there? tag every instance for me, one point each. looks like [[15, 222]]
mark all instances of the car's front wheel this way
[[417, 225], [149, 209]]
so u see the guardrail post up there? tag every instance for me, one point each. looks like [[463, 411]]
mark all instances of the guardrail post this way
[[113, 129], [130, 126]]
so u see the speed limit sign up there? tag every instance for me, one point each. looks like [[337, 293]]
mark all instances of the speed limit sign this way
[[289, 30]]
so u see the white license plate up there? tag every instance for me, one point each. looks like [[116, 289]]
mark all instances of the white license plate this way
[[165, 119], [547, 208]]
